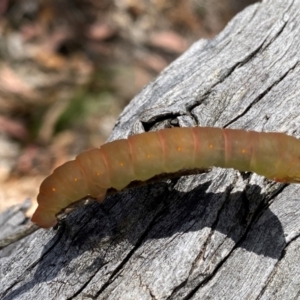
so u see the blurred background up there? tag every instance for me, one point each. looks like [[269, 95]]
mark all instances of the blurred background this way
[[68, 68]]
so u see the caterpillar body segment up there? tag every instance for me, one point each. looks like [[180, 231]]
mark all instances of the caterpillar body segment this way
[[142, 156]]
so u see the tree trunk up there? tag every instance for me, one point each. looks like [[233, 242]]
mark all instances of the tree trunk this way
[[219, 235]]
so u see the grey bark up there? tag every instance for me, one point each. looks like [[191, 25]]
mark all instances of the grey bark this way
[[220, 235]]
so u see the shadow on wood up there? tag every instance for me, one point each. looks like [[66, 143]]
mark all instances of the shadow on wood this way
[[221, 235]]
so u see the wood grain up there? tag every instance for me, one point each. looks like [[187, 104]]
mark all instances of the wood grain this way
[[220, 235]]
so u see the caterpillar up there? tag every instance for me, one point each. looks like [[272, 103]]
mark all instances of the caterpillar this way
[[143, 156]]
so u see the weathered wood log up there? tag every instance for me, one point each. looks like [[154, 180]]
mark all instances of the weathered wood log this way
[[220, 235], [12, 220]]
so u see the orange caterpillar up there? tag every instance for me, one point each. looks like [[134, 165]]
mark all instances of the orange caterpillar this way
[[142, 156]]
